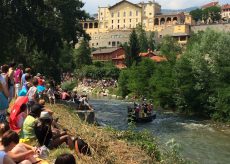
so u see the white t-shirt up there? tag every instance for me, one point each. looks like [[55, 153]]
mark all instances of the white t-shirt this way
[[32, 93]]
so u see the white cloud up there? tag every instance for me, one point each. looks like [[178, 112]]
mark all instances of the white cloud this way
[[91, 6]]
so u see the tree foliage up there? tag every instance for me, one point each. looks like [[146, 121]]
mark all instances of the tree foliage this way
[[213, 13], [151, 41], [203, 86], [197, 82], [142, 38], [132, 50], [196, 14], [98, 71], [41, 27], [82, 55]]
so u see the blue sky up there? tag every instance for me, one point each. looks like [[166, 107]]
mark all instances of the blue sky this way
[[92, 5]]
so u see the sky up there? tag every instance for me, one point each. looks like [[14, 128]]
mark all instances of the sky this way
[[91, 6]]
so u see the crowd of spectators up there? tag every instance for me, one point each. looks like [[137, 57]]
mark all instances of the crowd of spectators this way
[[101, 83], [29, 121]]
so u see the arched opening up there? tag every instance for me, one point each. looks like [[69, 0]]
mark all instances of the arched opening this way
[[156, 21], [174, 20], [162, 21], [90, 25], [96, 25], [85, 25], [168, 20]]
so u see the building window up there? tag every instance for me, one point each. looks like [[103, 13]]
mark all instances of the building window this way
[[92, 44], [113, 44], [118, 26], [130, 13], [101, 13], [150, 13], [124, 26], [124, 20], [129, 25], [109, 43], [124, 14], [136, 13], [118, 42], [160, 36], [97, 44], [112, 15], [118, 14], [112, 27], [136, 20], [118, 21], [130, 20], [112, 21]]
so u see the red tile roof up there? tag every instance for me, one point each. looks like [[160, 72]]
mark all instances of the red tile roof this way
[[119, 57], [120, 66], [210, 5], [123, 2], [147, 54], [158, 58], [226, 6]]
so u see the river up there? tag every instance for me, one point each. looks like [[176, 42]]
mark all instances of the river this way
[[198, 140]]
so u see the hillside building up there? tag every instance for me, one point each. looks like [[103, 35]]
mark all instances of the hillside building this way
[[225, 11], [113, 24]]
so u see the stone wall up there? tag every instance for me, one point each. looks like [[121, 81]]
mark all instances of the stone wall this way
[[215, 27]]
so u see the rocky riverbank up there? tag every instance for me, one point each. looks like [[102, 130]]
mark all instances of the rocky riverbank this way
[[98, 91]]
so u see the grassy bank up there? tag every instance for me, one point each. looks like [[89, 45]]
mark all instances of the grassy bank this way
[[109, 145]]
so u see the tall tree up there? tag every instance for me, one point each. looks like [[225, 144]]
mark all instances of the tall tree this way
[[213, 13], [151, 41], [170, 49], [82, 55], [42, 25], [132, 56], [202, 76], [196, 14], [142, 38]]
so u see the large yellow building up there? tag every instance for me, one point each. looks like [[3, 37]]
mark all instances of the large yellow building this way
[[124, 16]]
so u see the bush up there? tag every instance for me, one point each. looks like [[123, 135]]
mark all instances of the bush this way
[[69, 85]]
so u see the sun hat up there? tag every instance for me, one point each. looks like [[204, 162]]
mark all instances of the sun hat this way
[[45, 115], [38, 75]]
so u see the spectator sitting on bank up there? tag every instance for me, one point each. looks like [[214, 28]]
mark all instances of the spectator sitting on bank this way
[[9, 140], [42, 102], [82, 148], [43, 126], [27, 132], [20, 118], [65, 95]]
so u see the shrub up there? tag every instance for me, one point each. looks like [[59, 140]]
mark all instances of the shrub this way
[[69, 85]]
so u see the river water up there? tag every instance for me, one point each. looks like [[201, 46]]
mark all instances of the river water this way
[[199, 141]]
